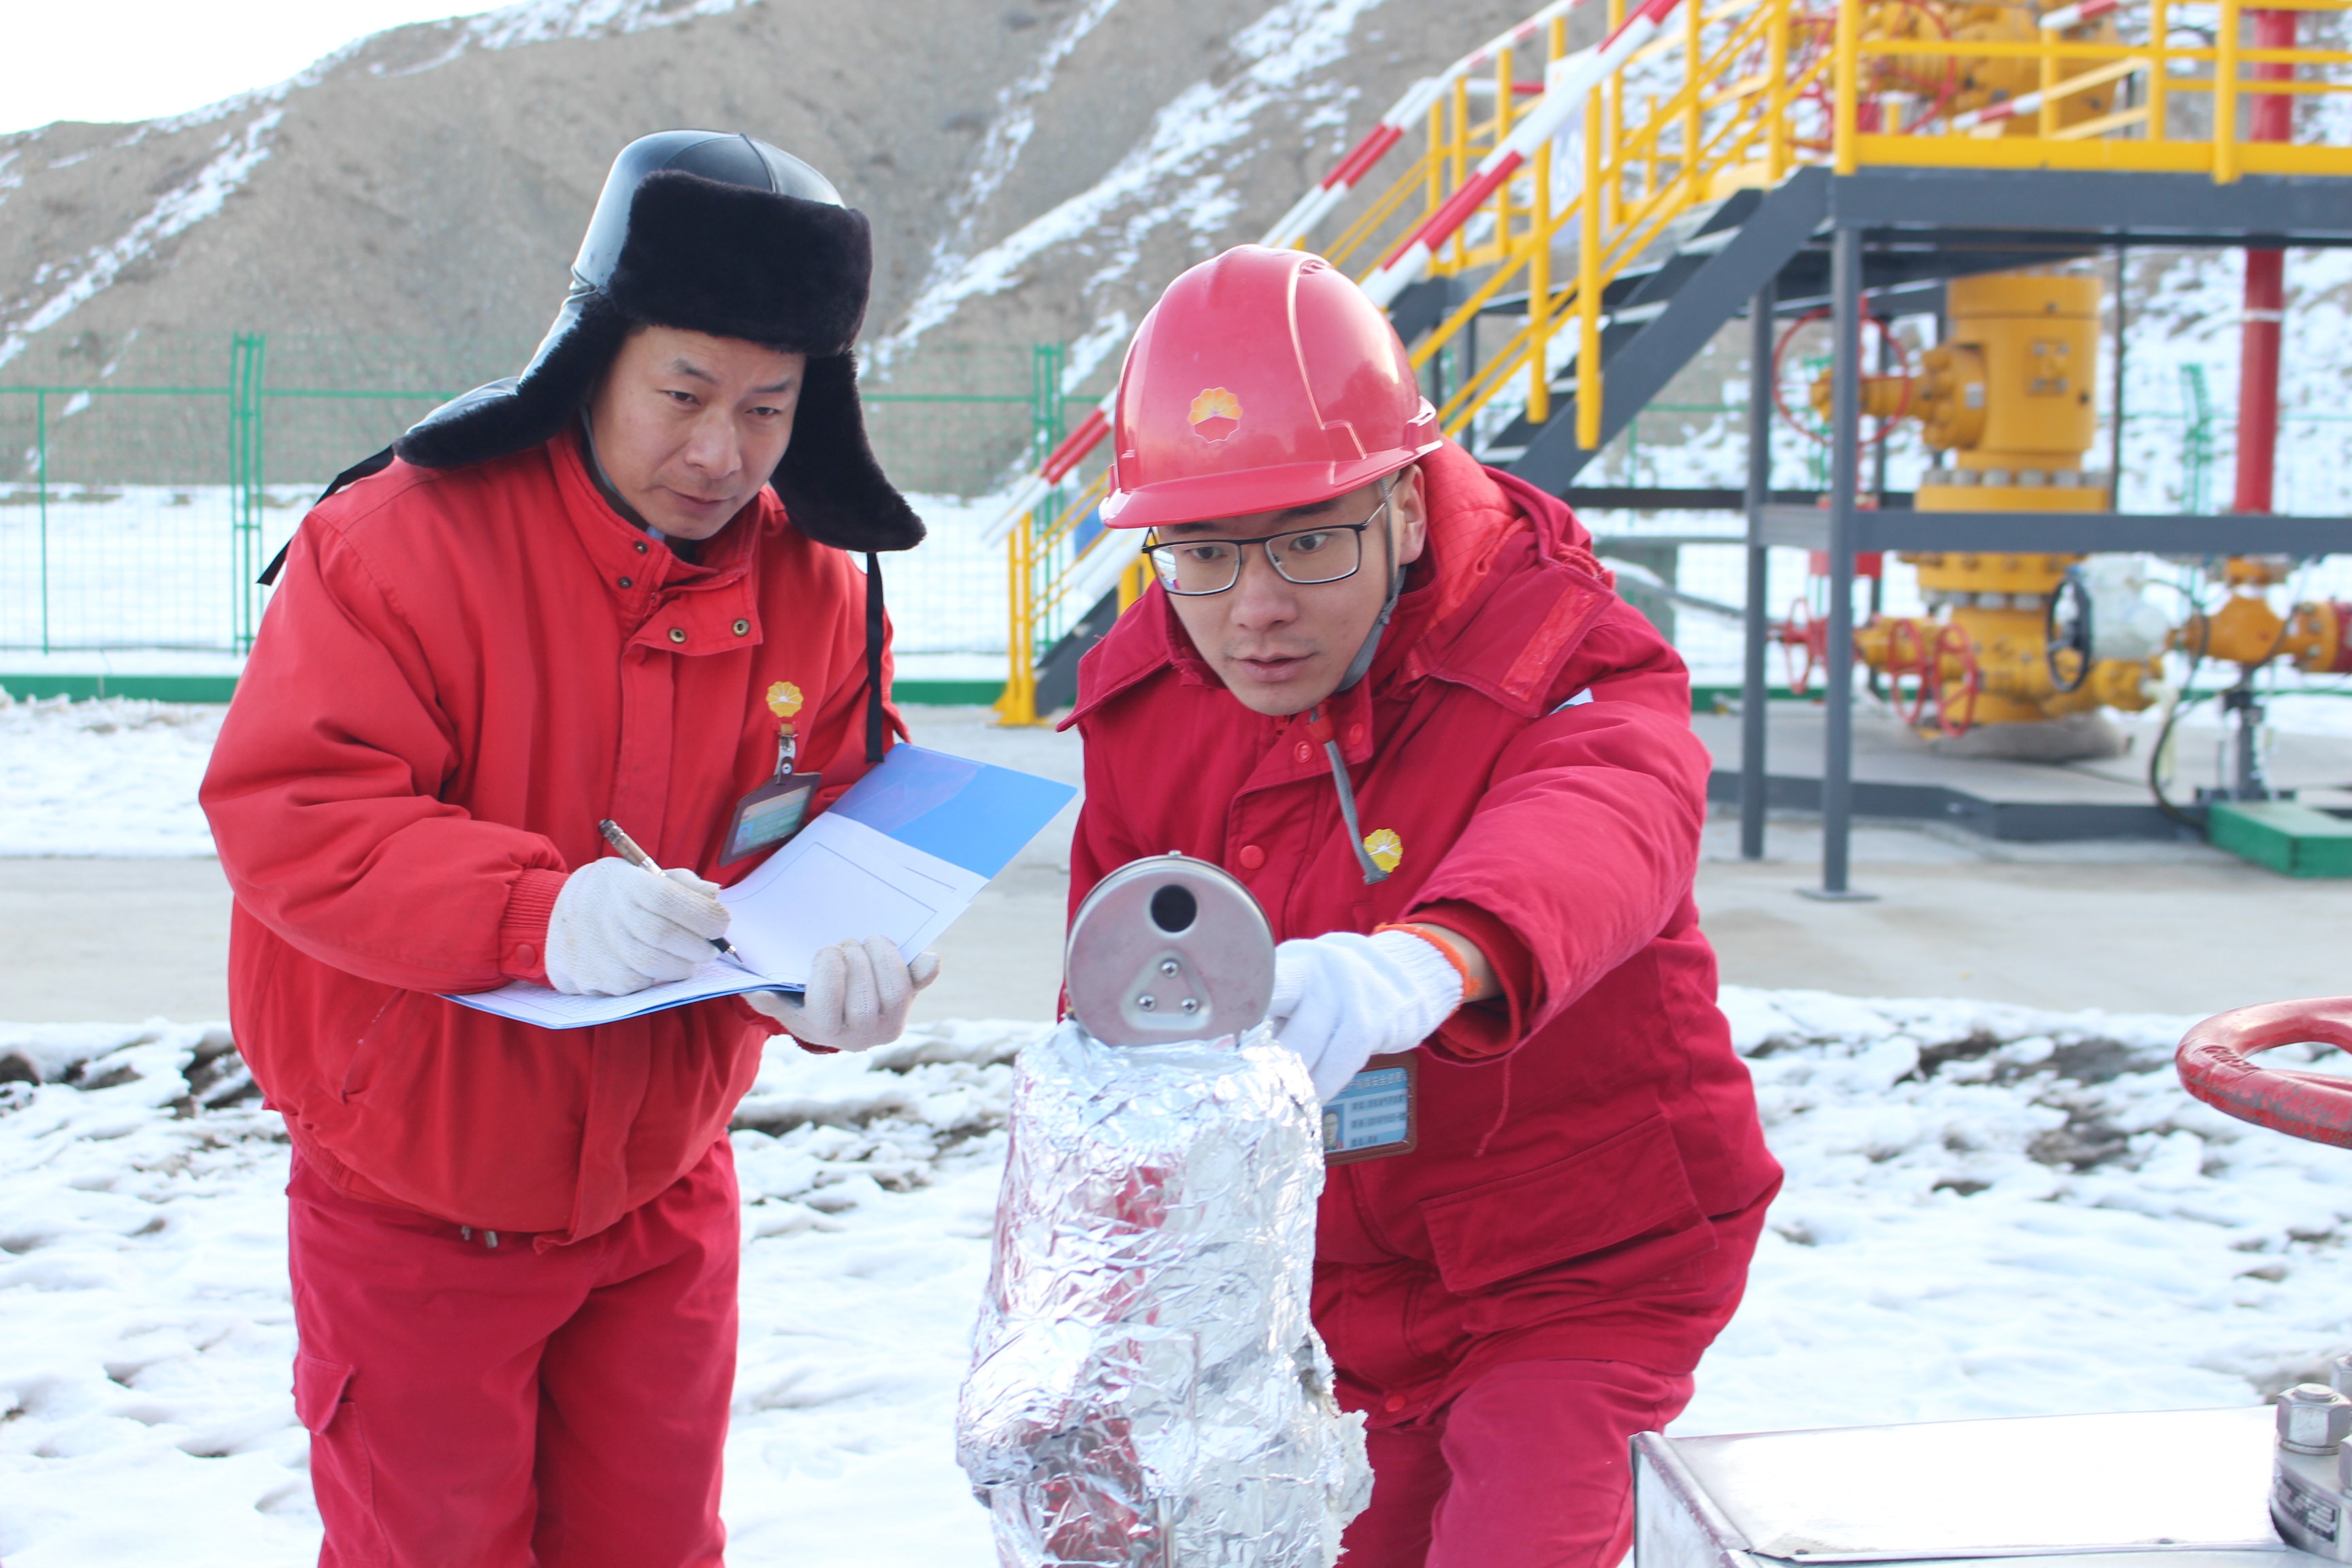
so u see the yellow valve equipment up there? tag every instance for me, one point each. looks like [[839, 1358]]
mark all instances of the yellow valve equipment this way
[[2006, 403], [2316, 636]]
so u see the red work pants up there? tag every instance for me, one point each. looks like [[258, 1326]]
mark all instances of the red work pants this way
[[1527, 1467], [473, 1407]]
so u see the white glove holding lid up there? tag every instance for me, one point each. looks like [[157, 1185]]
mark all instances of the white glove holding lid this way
[[859, 995], [1342, 999], [616, 930]]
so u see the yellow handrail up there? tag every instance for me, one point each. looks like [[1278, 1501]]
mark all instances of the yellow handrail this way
[[2225, 96]]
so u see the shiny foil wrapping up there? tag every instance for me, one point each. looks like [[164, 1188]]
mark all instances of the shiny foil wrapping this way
[[1146, 1390]]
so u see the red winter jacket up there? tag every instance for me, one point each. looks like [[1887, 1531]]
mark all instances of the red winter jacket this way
[[1580, 1145], [461, 672]]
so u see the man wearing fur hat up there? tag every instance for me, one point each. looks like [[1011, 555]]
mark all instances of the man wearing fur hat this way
[[618, 587]]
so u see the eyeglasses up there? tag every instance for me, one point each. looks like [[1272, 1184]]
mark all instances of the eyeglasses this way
[[1306, 556]]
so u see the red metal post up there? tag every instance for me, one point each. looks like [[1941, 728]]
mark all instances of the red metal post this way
[[2271, 116]]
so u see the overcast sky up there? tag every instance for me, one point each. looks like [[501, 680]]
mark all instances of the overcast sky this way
[[136, 59]]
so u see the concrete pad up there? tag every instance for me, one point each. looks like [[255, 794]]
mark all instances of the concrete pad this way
[[1898, 774], [113, 941], [2129, 926], [1004, 959], [2126, 925], [119, 941]]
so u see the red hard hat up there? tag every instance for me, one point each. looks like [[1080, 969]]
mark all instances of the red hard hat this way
[[1262, 379]]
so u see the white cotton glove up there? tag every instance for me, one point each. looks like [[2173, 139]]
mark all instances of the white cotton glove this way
[[857, 997], [618, 928], [1342, 999]]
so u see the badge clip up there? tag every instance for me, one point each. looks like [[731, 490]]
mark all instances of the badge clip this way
[[775, 811]]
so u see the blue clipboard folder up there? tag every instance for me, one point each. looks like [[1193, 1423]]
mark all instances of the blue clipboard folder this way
[[969, 814], [904, 851]]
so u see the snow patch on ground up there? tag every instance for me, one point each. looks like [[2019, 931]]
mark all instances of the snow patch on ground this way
[[117, 775], [1990, 1211], [144, 1408]]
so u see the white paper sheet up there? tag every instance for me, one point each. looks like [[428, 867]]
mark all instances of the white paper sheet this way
[[838, 880]]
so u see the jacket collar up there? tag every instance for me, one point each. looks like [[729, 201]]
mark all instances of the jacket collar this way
[[642, 574]]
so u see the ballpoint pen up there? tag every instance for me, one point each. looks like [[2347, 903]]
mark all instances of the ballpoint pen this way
[[628, 851]]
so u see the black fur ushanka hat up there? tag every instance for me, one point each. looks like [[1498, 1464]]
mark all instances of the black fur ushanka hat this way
[[718, 234]]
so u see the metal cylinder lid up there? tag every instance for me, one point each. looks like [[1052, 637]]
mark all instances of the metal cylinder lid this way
[[1169, 948]]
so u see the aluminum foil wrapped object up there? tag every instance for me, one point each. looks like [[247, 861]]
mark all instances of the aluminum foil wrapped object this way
[[1146, 1389]]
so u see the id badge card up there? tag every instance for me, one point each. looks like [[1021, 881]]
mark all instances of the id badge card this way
[[769, 816], [1378, 1114]]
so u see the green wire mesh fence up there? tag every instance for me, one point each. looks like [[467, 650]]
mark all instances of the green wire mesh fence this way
[[144, 482]]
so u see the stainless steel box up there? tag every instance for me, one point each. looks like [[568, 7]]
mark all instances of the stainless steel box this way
[[2175, 1489]]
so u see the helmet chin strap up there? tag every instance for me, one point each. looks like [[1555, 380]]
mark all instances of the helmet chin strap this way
[[1321, 728], [1361, 664]]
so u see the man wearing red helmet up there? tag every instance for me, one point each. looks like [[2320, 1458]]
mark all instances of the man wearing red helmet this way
[[1393, 693]]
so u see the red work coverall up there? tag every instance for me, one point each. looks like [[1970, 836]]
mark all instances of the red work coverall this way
[[1509, 1302], [461, 672]]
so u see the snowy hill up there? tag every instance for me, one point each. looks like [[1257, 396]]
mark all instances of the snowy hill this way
[[1989, 1212], [1056, 160]]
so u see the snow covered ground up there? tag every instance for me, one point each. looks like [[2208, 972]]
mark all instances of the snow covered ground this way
[[116, 776], [1989, 1212]]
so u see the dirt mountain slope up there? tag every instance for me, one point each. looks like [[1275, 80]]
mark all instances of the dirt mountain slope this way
[[1034, 172]]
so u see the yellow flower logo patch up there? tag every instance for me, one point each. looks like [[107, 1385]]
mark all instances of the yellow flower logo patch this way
[[783, 700], [1216, 413], [1385, 847]]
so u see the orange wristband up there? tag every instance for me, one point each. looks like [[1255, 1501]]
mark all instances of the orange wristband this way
[[1461, 967]]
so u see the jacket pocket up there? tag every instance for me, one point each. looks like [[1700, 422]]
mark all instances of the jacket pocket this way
[[1628, 1186], [373, 1027], [343, 1472], [318, 1392]]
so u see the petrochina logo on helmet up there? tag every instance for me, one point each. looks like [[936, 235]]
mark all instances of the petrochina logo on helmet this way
[[1216, 413]]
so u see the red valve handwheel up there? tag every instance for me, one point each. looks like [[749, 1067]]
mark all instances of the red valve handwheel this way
[[1902, 368], [2214, 1066], [1807, 634], [1906, 658]]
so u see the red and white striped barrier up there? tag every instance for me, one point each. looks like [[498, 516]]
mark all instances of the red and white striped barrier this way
[[2058, 21], [2010, 108], [1994, 113], [2067, 17], [1573, 81], [1293, 227]]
